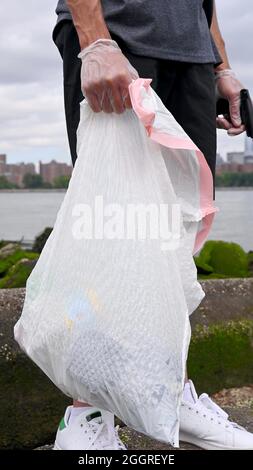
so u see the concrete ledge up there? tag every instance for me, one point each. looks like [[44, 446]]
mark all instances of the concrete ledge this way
[[225, 300]]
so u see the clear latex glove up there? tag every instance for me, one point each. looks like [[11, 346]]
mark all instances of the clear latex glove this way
[[228, 87], [105, 76]]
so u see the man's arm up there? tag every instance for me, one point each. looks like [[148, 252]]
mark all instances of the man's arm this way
[[89, 22], [105, 72], [219, 41], [227, 85]]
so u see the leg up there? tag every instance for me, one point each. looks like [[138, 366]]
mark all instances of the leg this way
[[191, 99], [82, 425], [66, 40], [192, 102]]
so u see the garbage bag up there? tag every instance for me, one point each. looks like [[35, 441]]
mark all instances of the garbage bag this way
[[106, 310]]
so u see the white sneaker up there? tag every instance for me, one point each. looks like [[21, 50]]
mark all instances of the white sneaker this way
[[91, 430], [206, 425]]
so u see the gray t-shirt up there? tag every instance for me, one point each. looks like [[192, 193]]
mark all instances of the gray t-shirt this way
[[164, 29]]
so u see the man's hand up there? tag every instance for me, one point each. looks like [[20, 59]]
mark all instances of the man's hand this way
[[228, 87], [105, 72], [105, 76]]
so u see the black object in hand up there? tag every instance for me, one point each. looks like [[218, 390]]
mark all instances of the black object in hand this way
[[246, 110]]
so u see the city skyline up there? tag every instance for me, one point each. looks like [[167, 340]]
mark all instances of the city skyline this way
[[49, 172], [32, 123], [247, 150]]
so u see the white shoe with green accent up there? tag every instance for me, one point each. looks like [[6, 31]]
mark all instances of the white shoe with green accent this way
[[206, 425], [91, 430]]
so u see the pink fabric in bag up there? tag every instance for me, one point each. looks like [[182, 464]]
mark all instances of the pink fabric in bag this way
[[148, 109]]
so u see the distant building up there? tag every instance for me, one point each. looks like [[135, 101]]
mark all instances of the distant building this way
[[50, 171], [235, 157], [234, 168], [219, 160], [248, 148], [239, 162], [247, 167], [227, 168], [2, 163], [248, 159], [14, 173]]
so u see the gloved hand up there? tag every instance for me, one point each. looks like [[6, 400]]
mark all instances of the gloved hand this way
[[228, 87], [105, 76]]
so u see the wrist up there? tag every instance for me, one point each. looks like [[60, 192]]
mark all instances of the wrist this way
[[99, 43], [221, 67], [224, 73], [89, 37]]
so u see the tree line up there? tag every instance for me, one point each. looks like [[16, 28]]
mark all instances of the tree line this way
[[35, 181], [234, 179]]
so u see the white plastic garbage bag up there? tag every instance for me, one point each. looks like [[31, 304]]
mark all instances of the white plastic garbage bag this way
[[106, 312]]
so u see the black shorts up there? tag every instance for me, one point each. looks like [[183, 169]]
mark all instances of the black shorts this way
[[186, 89]]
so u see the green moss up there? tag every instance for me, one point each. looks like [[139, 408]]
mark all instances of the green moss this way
[[32, 405], [17, 275], [7, 262], [221, 356], [213, 276], [41, 239], [3, 243], [219, 259], [16, 267], [250, 262], [125, 437], [202, 265]]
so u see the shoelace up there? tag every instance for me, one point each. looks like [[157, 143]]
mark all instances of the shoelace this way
[[213, 407], [105, 437]]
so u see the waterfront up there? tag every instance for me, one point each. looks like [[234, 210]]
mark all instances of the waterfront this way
[[26, 213]]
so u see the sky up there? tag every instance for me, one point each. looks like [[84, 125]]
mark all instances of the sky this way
[[32, 125]]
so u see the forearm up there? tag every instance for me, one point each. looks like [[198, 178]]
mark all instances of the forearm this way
[[88, 20], [219, 41]]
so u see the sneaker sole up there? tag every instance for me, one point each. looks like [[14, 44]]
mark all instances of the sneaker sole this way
[[184, 437], [56, 447]]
